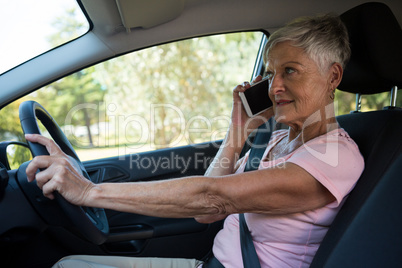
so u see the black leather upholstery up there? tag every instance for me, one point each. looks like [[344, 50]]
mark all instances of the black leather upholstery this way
[[374, 237], [376, 39]]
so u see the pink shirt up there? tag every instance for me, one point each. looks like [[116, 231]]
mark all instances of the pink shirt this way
[[292, 240]]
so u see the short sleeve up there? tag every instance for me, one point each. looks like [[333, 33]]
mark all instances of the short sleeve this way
[[334, 160]]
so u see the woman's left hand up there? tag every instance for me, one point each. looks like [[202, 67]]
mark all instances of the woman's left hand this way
[[59, 172]]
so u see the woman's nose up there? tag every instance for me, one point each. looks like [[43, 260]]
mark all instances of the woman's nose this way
[[276, 84]]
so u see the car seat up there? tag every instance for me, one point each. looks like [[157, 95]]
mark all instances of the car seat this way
[[367, 231]]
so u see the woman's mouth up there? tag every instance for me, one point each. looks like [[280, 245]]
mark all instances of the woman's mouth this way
[[283, 102]]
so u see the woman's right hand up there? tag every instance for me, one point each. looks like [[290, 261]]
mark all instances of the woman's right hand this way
[[241, 126], [58, 172], [240, 119]]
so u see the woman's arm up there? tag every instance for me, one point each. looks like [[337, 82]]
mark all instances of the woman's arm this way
[[275, 191], [282, 190], [224, 162]]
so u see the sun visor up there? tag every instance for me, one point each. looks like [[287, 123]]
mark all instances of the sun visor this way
[[144, 14]]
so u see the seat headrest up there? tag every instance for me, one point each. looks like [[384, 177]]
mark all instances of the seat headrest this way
[[376, 38]]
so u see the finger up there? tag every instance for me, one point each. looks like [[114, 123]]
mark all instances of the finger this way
[[45, 183], [53, 178], [43, 162], [38, 162], [241, 87], [48, 188], [56, 182], [246, 85], [44, 176], [258, 78], [70, 185], [50, 145]]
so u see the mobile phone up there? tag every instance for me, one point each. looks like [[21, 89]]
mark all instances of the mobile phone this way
[[255, 99]]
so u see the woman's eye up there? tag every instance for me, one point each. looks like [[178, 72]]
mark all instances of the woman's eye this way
[[289, 70]]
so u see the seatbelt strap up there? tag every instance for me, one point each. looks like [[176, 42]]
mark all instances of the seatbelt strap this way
[[249, 254], [212, 262], [259, 145]]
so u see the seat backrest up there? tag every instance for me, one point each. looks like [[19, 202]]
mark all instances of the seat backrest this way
[[374, 237], [378, 135]]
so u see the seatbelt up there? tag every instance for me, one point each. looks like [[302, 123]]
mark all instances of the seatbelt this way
[[259, 145], [248, 252]]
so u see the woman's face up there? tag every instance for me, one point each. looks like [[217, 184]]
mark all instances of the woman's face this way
[[296, 88]]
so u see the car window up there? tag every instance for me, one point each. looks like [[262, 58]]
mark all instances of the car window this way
[[346, 102], [33, 27], [169, 95]]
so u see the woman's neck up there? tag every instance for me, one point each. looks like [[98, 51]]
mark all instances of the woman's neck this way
[[319, 123]]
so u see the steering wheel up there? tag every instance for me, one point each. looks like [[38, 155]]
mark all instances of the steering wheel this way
[[91, 223]]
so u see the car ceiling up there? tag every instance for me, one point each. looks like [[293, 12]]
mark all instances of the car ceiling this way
[[114, 32]]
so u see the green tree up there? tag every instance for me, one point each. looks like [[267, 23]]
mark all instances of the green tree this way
[[68, 28], [10, 127], [346, 102], [195, 76], [65, 95]]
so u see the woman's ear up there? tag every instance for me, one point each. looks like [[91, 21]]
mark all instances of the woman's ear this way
[[335, 75]]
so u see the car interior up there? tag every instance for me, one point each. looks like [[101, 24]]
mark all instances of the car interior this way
[[36, 232], [380, 147]]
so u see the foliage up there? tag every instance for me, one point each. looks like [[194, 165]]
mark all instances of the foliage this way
[[17, 154], [191, 78], [10, 128], [346, 102], [71, 91]]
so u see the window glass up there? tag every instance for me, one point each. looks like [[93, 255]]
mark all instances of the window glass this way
[[164, 96], [30, 28], [346, 102]]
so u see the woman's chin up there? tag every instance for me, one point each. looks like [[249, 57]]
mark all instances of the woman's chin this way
[[281, 118]]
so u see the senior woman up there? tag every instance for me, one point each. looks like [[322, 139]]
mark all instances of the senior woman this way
[[289, 202]]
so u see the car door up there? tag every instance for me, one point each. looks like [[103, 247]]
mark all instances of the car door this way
[[138, 235], [155, 114]]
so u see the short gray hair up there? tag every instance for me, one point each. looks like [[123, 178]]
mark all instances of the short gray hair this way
[[324, 38]]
